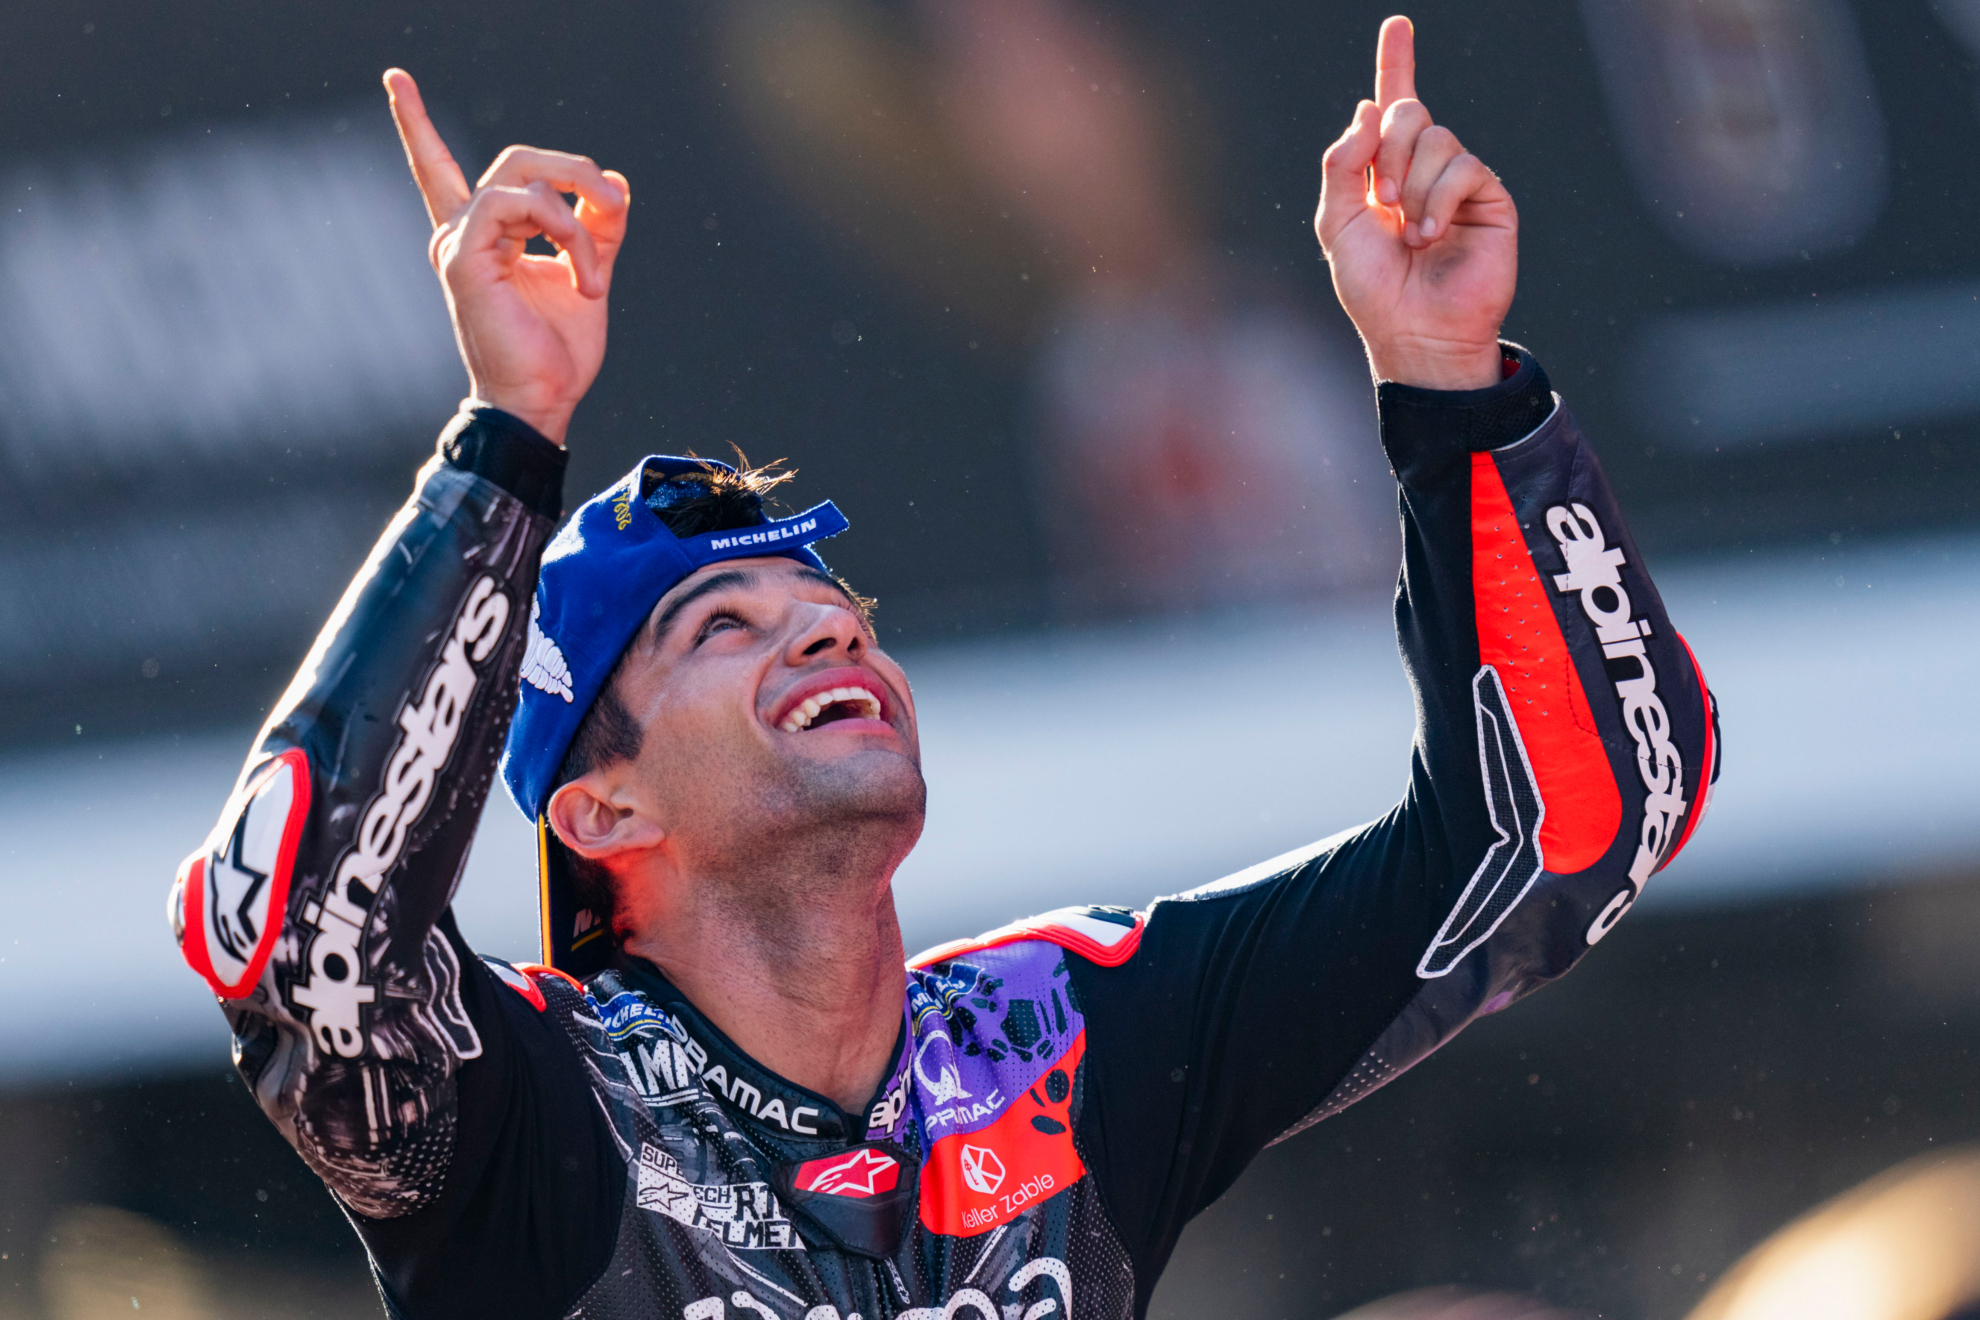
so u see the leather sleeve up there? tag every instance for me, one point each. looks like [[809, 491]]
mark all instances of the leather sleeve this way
[[1564, 751], [314, 908]]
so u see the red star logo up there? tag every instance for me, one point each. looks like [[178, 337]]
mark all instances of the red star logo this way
[[865, 1172]]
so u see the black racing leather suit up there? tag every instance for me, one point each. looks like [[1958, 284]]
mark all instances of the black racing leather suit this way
[[1067, 1092]]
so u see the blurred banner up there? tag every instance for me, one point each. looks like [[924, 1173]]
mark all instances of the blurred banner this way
[[1204, 446], [1963, 18], [1751, 126], [212, 342], [1812, 369], [1197, 438], [215, 296]]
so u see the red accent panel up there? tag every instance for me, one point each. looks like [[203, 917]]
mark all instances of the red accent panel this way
[[519, 981], [1041, 928], [190, 903], [192, 873], [538, 969], [1701, 792], [1519, 636], [974, 1181], [864, 1173]]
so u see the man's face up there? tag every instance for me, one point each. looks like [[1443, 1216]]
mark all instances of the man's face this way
[[767, 709]]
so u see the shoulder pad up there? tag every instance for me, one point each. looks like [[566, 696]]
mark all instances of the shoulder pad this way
[[523, 977], [1106, 936]]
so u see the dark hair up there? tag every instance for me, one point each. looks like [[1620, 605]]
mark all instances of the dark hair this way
[[714, 499]]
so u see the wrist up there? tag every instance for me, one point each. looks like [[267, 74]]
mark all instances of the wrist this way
[[1425, 430], [551, 419], [1435, 365], [492, 444]]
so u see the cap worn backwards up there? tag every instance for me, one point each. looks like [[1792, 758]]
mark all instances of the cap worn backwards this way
[[602, 575]]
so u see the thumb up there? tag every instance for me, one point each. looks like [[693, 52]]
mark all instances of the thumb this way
[[1344, 179]]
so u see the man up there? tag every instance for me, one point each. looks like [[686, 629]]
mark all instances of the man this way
[[729, 1094]]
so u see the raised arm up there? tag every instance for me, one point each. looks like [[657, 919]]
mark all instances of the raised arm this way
[[316, 909], [1563, 753]]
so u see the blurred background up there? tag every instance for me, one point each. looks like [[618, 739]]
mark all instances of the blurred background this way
[[1030, 288]]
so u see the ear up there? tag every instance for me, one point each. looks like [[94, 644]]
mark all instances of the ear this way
[[592, 823]]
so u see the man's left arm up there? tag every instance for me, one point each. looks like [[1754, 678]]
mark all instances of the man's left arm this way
[[1557, 765], [1565, 741]]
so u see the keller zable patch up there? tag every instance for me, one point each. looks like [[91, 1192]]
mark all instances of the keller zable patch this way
[[859, 1198], [227, 904], [974, 1181]]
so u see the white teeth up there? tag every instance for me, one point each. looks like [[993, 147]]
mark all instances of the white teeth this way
[[802, 716]]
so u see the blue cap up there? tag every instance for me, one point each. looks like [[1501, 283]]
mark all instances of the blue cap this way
[[602, 575]]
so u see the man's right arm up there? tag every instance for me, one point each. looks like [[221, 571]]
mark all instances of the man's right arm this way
[[314, 908], [447, 1112], [442, 1108]]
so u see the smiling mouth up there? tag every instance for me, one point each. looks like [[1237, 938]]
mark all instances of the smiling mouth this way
[[829, 707]]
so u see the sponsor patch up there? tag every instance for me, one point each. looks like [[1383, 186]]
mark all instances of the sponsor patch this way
[[230, 897], [745, 1216], [1594, 574], [945, 1083], [973, 1182], [543, 664], [863, 1173], [860, 1199], [795, 530], [963, 1304], [626, 1014], [668, 1066], [892, 1106], [332, 987]]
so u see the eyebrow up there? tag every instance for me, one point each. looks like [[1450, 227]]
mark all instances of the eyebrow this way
[[724, 581], [734, 577]]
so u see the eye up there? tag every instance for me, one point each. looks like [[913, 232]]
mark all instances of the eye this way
[[718, 622]]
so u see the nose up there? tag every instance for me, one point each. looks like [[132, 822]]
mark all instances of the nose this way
[[825, 630]]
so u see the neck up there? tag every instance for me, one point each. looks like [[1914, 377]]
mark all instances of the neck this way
[[799, 961]]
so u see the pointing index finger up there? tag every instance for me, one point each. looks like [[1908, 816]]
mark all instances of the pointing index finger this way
[[1395, 62], [441, 183]]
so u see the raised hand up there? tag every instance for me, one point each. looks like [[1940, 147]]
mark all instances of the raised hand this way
[[531, 328], [1421, 237]]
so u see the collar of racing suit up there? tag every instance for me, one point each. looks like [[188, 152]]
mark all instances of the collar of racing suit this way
[[756, 1096], [851, 1183]]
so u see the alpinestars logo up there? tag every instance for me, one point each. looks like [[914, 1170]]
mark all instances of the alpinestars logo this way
[[233, 886], [1595, 572], [982, 1171], [543, 664], [333, 987], [892, 1105], [864, 1173]]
